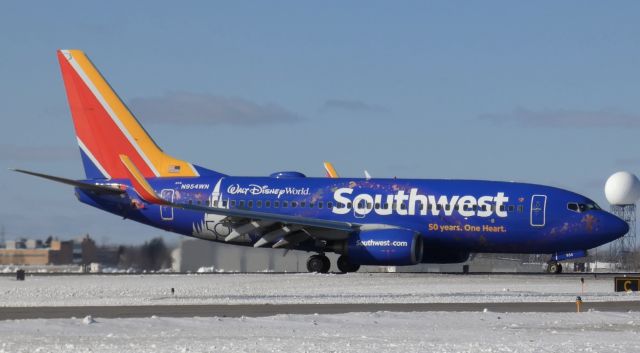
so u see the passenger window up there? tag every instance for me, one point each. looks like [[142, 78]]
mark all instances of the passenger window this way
[[215, 203], [267, 204], [512, 208], [520, 209], [198, 202], [285, 204], [241, 204], [369, 205], [403, 206], [501, 207], [250, 204], [385, 206], [320, 204], [259, 204], [377, 206], [276, 204], [294, 204], [311, 204], [302, 204], [329, 204]]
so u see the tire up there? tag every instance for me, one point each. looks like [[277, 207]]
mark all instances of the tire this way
[[559, 269], [345, 266], [317, 263], [327, 264], [553, 267]]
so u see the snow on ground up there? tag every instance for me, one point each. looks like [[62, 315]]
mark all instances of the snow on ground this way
[[359, 332], [76, 290]]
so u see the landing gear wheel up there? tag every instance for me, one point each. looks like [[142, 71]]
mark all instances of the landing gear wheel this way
[[318, 263], [554, 267], [345, 266]]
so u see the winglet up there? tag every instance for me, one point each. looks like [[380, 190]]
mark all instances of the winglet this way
[[331, 172], [140, 184]]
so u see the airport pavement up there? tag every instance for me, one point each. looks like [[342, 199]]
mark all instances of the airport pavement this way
[[221, 310]]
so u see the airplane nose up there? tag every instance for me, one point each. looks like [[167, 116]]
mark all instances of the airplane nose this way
[[616, 227]]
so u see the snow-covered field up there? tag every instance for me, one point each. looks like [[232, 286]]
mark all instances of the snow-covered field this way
[[77, 290], [362, 332]]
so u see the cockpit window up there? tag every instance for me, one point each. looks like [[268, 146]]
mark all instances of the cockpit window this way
[[582, 207]]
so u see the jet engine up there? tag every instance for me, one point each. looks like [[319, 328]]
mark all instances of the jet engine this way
[[392, 247]]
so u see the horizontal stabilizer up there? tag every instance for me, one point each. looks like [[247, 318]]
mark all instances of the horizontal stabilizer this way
[[79, 184]]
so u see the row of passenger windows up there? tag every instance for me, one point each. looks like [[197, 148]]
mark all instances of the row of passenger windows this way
[[361, 205]]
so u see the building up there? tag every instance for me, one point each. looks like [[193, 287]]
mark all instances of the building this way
[[35, 252], [80, 251]]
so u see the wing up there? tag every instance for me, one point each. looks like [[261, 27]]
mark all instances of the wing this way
[[288, 230]]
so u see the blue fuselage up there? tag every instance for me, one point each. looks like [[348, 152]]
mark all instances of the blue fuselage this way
[[449, 215]]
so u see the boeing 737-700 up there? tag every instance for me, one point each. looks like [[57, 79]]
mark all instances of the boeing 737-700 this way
[[368, 221]]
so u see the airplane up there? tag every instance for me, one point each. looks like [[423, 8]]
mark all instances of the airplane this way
[[367, 221]]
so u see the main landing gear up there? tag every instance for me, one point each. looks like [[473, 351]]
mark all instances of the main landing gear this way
[[345, 266], [318, 263], [321, 264], [554, 267]]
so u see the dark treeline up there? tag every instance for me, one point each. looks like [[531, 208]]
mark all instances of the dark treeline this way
[[153, 255]]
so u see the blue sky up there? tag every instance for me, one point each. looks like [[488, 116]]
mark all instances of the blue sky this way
[[545, 92]]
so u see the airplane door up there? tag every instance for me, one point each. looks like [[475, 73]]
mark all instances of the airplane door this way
[[166, 212], [538, 210]]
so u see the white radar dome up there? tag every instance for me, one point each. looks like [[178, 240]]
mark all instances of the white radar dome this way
[[622, 188]]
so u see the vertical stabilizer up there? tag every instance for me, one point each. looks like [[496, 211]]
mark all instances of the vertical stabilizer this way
[[106, 129]]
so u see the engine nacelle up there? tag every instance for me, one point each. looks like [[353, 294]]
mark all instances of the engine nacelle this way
[[391, 247]]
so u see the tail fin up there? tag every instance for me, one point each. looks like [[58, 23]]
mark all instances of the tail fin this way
[[330, 170], [106, 129]]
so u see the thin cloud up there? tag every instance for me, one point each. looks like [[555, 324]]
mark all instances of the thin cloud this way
[[633, 161], [564, 118], [37, 153], [196, 108], [355, 106]]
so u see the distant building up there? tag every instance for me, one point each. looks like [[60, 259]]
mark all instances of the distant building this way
[[84, 250], [33, 252], [81, 251]]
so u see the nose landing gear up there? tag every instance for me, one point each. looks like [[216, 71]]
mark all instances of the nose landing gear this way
[[554, 267], [318, 263]]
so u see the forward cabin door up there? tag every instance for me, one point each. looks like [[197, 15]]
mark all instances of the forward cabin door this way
[[538, 210], [166, 212]]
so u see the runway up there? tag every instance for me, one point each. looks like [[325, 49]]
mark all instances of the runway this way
[[139, 311]]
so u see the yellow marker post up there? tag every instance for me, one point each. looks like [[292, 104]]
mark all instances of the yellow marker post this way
[[578, 304]]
